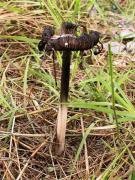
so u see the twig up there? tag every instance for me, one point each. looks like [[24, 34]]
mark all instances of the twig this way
[[17, 154], [11, 138], [4, 133], [53, 164], [32, 113], [86, 151], [32, 155], [7, 171]]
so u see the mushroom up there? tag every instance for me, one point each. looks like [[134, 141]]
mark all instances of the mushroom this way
[[66, 42]]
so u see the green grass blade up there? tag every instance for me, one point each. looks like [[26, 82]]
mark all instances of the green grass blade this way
[[77, 7], [109, 169], [83, 141], [112, 86], [3, 101], [53, 9], [25, 39]]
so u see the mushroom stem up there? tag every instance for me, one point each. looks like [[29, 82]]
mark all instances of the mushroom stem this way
[[62, 114]]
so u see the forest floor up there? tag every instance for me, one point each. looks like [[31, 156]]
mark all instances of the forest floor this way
[[100, 136]]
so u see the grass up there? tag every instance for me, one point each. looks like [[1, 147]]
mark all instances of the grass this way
[[101, 96]]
